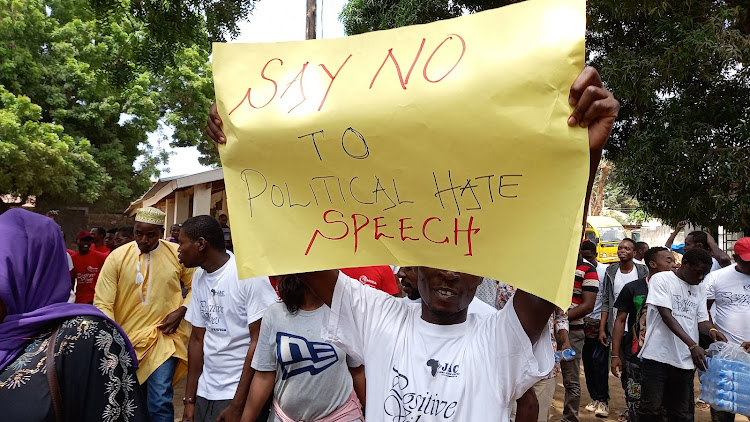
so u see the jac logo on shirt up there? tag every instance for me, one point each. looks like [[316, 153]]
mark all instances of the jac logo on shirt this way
[[404, 405], [446, 369], [296, 355]]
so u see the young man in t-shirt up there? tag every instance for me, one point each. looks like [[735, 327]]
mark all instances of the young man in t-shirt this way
[[226, 314], [703, 240], [616, 277], [408, 277], [670, 353], [435, 361], [87, 264], [585, 288], [640, 252], [544, 389], [123, 236], [98, 234], [109, 239], [595, 355], [728, 289], [631, 309]]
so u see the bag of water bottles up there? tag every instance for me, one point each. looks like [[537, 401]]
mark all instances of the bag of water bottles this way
[[726, 383]]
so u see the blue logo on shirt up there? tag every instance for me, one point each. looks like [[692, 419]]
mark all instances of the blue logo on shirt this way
[[296, 355]]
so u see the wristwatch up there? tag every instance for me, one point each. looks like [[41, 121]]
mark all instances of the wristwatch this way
[[186, 400]]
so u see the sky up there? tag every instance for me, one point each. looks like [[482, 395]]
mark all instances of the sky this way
[[272, 21]]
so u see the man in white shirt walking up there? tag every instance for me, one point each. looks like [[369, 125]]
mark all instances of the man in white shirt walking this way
[[434, 361], [226, 315], [676, 313], [729, 290]]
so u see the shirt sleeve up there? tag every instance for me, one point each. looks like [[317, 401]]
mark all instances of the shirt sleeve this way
[[360, 314], [606, 287], [187, 279], [710, 286], [388, 280], [531, 362], [561, 320], [105, 291], [658, 291], [259, 297], [702, 310], [352, 362], [504, 293], [590, 280], [624, 302], [264, 358], [193, 314]]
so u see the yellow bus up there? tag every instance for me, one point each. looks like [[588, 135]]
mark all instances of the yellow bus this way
[[606, 233]]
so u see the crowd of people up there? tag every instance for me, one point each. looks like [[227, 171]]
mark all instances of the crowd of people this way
[[379, 343]]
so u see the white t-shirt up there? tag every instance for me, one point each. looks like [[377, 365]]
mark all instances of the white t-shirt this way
[[477, 306], [688, 305], [622, 279], [415, 370], [715, 265], [731, 291], [225, 305], [601, 271]]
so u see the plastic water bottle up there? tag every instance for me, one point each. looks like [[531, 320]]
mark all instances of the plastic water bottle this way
[[726, 383], [736, 367], [741, 379], [565, 355], [734, 407]]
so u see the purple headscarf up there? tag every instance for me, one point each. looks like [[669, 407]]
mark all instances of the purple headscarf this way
[[34, 282]]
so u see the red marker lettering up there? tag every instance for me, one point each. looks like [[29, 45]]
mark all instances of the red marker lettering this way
[[463, 50], [378, 235], [403, 81], [318, 232], [424, 230], [333, 78], [469, 231], [403, 228], [300, 75], [262, 75]]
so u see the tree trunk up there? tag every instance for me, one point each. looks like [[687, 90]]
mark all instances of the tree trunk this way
[[310, 27], [597, 200]]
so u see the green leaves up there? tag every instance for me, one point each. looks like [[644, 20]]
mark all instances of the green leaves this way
[[88, 68], [681, 70], [38, 158]]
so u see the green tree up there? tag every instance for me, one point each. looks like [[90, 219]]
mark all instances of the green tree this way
[[89, 79], [169, 26], [39, 158], [681, 71]]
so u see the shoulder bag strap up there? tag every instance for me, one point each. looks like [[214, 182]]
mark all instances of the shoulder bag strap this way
[[54, 386]]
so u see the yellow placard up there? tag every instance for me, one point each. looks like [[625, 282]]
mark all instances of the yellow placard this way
[[444, 145]]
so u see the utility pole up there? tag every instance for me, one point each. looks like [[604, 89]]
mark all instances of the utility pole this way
[[310, 28]]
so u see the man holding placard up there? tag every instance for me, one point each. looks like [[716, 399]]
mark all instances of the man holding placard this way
[[434, 361]]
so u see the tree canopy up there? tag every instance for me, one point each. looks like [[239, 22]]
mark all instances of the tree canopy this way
[[76, 69], [681, 71]]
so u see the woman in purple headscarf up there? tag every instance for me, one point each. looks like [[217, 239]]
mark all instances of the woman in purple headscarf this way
[[93, 376]]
